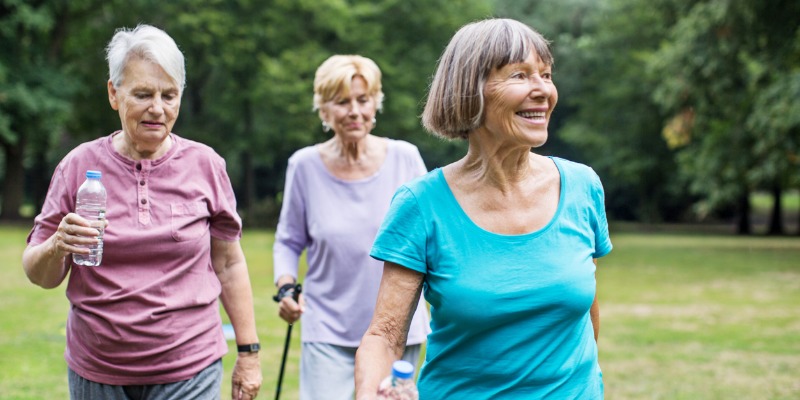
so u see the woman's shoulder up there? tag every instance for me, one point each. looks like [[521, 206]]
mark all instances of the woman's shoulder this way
[[304, 155], [402, 146], [575, 169], [432, 181], [196, 152]]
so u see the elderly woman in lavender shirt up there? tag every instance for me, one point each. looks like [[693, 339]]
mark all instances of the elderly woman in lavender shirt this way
[[145, 324], [337, 193]]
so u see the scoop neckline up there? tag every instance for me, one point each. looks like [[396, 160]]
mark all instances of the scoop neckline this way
[[463, 214], [321, 164]]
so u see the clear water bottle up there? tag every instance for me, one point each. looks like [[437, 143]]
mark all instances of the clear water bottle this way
[[91, 205], [400, 384]]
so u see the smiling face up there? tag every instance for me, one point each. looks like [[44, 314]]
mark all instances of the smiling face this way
[[148, 101], [520, 98], [350, 115]]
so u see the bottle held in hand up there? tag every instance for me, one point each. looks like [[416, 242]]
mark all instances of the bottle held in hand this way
[[400, 384], [91, 205]]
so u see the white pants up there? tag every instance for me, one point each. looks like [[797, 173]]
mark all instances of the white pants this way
[[327, 371]]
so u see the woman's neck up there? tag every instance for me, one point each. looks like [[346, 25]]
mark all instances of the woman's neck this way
[[500, 165], [128, 149], [351, 152]]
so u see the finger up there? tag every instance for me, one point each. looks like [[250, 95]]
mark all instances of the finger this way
[[236, 392]]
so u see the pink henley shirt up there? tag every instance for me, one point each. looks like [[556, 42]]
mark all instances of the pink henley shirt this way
[[149, 313]]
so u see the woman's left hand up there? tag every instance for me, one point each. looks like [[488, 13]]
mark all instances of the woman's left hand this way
[[246, 377]]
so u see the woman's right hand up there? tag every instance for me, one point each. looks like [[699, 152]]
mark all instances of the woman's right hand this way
[[290, 310], [74, 233]]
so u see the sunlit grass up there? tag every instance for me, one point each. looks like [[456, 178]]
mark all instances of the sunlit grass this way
[[684, 316]]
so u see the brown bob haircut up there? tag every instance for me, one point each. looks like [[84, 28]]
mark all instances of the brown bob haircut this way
[[455, 104]]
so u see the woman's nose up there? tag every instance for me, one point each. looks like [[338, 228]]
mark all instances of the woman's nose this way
[[157, 106], [539, 88], [354, 108]]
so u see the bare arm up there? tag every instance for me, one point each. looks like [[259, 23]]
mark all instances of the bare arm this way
[[46, 263], [237, 299], [385, 339], [594, 312]]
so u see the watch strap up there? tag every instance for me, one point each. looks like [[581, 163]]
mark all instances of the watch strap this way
[[249, 348]]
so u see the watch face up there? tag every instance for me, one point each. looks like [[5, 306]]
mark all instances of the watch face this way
[[249, 348]]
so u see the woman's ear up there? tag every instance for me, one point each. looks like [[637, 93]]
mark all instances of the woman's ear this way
[[112, 95]]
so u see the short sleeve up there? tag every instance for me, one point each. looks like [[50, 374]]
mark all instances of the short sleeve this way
[[403, 235], [225, 221], [60, 201], [599, 221]]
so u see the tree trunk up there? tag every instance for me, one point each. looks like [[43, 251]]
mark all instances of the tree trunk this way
[[776, 219], [743, 225], [13, 184]]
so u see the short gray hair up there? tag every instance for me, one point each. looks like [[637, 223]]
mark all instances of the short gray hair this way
[[149, 43], [455, 98]]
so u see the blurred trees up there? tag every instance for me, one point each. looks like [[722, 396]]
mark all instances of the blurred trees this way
[[35, 91], [682, 107], [605, 106], [250, 69], [730, 69]]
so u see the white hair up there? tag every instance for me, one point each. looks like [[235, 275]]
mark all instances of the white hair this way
[[149, 43]]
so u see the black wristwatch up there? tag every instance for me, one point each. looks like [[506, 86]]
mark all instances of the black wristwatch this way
[[249, 348]]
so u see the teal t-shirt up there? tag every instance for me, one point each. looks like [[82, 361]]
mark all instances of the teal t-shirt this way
[[509, 313]]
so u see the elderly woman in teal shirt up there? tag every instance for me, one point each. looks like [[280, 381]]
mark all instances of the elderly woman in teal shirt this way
[[503, 241]]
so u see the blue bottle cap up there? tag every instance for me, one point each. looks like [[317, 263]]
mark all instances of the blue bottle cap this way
[[94, 174], [403, 369]]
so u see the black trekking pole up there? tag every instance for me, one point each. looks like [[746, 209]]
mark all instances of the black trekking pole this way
[[296, 296]]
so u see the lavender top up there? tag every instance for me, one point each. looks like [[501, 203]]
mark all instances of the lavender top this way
[[149, 313], [336, 221]]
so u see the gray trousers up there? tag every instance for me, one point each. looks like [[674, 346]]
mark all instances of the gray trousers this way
[[206, 385], [327, 372]]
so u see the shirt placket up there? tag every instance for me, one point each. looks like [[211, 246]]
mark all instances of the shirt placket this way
[[142, 172]]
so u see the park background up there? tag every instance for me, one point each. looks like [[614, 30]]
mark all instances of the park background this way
[[689, 110]]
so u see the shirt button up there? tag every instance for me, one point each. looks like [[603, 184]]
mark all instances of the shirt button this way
[[139, 167], [144, 201], [141, 183]]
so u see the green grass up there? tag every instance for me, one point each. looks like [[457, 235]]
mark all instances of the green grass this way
[[762, 201], [684, 316], [700, 317]]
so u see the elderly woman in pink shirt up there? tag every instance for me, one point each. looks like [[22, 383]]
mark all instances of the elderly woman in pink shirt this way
[[145, 324]]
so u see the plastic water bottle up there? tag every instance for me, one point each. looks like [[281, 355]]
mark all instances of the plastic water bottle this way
[[400, 384], [91, 205]]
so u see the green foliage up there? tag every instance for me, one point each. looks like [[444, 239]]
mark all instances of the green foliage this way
[[251, 68], [729, 63], [671, 102], [606, 117]]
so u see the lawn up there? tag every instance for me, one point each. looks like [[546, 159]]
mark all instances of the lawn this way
[[684, 316]]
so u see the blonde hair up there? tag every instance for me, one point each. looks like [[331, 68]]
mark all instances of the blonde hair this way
[[149, 43], [455, 99], [334, 76]]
